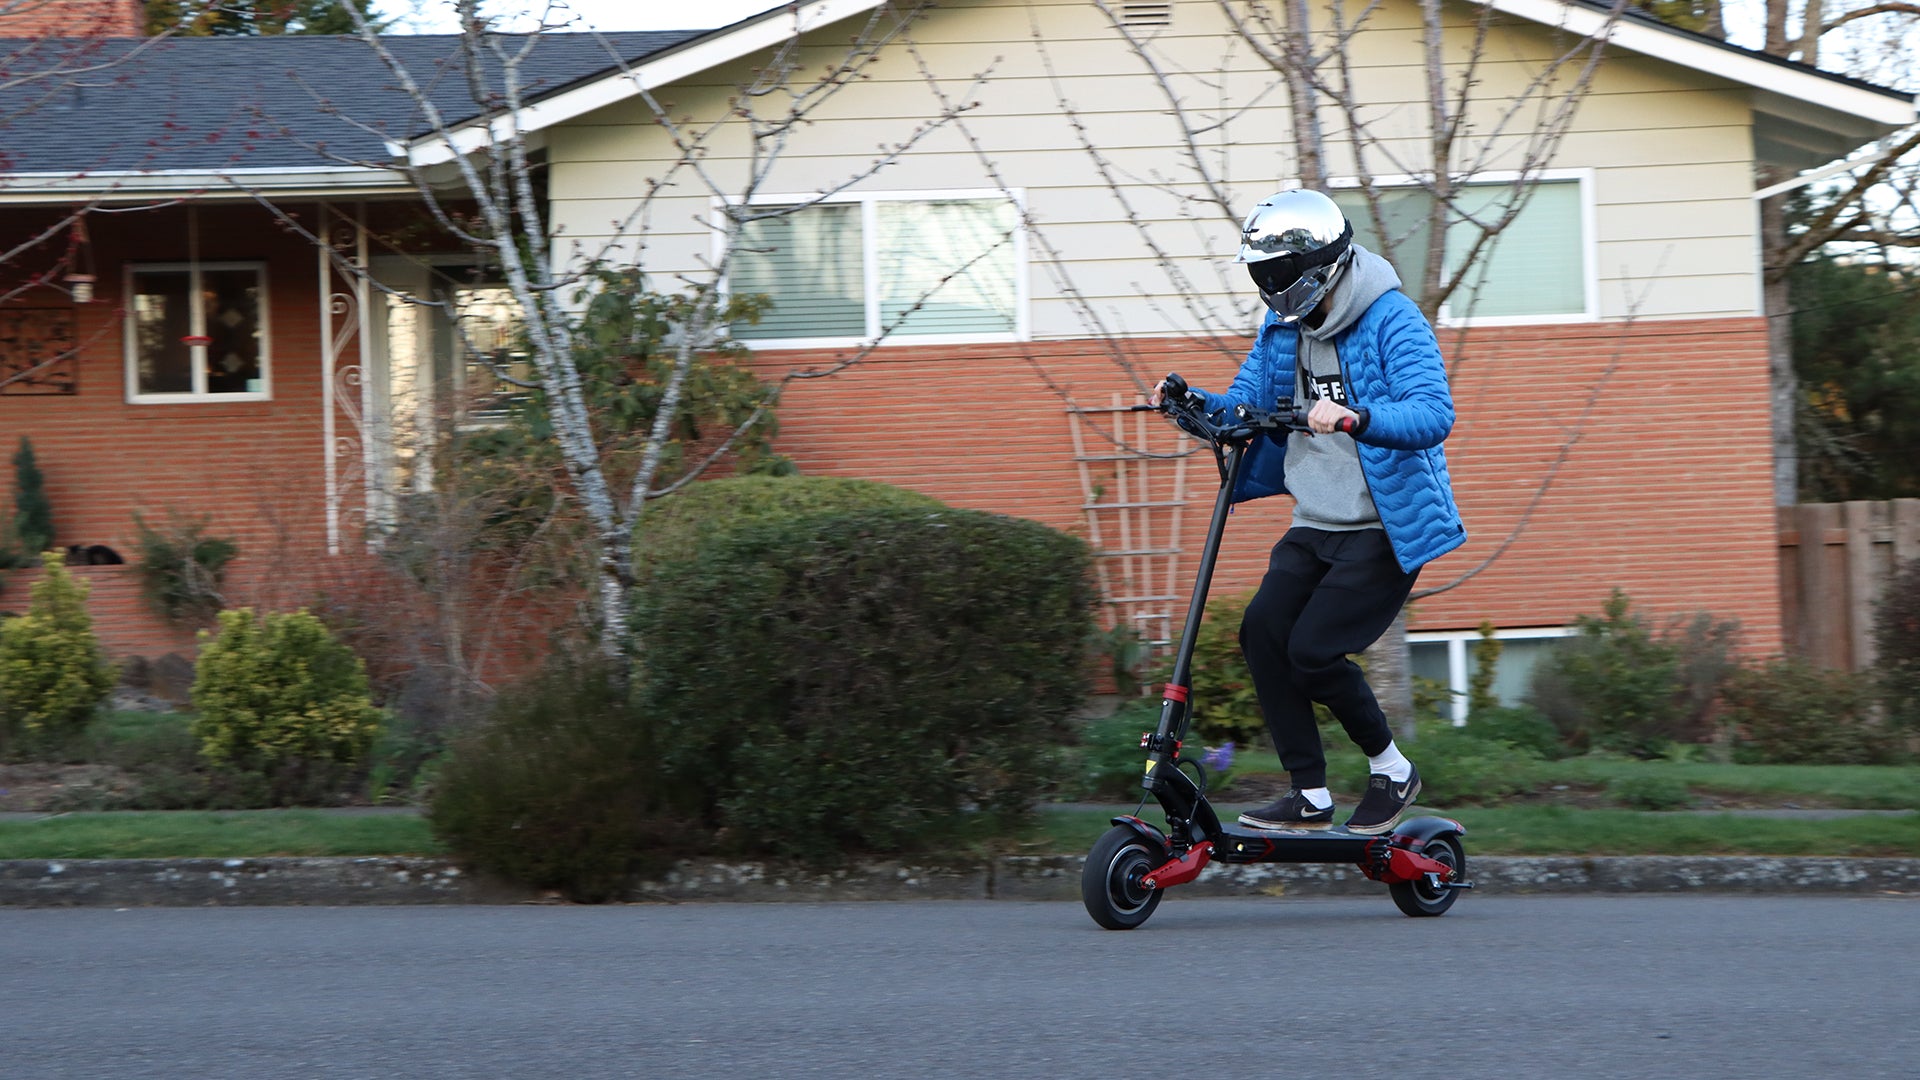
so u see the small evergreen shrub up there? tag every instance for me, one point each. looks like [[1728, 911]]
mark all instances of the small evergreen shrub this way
[[53, 674], [277, 695], [1486, 669], [30, 531], [1896, 639], [1790, 712], [182, 569], [873, 674], [561, 788]]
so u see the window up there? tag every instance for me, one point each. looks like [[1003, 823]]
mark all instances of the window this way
[[197, 331], [1447, 657], [1536, 270], [944, 267], [484, 336]]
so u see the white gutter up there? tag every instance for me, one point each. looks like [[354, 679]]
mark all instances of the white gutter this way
[[1819, 174], [763, 33], [19, 188]]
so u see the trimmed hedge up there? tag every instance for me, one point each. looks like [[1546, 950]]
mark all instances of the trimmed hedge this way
[[851, 670], [673, 528]]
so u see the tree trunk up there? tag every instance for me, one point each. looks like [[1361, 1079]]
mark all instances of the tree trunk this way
[[1784, 393], [1390, 672]]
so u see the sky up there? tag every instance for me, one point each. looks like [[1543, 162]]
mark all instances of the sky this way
[[436, 16]]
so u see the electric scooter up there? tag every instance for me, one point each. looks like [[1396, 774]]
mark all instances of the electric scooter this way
[[1421, 860]]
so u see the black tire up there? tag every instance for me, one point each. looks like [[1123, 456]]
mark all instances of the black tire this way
[[1421, 900], [1110, 882]]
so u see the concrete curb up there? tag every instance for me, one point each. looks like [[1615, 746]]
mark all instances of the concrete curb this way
[[361, 881]]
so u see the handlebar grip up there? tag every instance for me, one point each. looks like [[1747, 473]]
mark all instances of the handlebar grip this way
[[1176, 386], [1346, 424]]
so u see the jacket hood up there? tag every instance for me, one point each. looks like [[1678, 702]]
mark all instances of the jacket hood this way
[[1368, 278]]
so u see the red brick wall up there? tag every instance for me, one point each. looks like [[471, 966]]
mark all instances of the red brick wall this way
[[73, 18], [1654, 435], [254, 469]]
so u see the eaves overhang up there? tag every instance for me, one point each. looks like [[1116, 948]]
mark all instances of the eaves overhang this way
[[19, 189], [1803, 116]]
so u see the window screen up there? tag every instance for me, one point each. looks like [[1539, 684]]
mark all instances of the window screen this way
[[809, 263], [1536, 266], [941, 266]]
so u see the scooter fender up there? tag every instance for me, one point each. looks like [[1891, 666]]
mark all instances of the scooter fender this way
[[1147, 832], [1414, 832]]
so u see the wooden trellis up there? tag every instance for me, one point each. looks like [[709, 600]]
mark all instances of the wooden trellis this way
[[1134, 493]]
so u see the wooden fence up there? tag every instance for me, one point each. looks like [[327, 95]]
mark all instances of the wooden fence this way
[[1835, 561]]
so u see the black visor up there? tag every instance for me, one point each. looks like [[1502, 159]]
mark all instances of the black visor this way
[[1276, 274]]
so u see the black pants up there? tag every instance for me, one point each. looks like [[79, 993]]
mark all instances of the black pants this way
[[1326, 595]]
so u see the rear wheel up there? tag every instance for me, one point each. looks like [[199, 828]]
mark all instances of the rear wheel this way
[[1421, 898], [1110, 884]]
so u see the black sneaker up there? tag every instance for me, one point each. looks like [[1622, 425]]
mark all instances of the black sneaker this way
[[1383, 804], [1292, 812]]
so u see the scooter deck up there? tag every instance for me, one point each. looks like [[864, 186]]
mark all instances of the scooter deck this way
[[1238, 843]]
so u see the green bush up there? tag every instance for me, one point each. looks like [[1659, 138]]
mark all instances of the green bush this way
[[1458, 766], [1520, 726], [1896, 638], [1617, 685], [1225, 707], [1788, 711], [277, 695], [182, 569], [866, 675], [53, 673], [30, 532], [1650, 792], [672, 529], [560, 788]]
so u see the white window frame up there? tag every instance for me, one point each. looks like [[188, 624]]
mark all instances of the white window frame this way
[[1589, 243], [1459, 641], [868, 200], [197, 324]]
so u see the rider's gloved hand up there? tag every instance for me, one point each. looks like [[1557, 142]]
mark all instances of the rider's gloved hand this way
[[1159, 394]]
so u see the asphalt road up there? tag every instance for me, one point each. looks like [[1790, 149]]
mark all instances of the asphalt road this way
[[1638, 986]]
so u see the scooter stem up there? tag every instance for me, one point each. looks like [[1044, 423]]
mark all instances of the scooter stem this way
[[1175, 709]]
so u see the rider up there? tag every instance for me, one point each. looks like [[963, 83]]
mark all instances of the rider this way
[[1370, 508]]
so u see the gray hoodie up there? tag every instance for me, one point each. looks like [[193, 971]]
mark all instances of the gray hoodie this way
[[1323, 471]]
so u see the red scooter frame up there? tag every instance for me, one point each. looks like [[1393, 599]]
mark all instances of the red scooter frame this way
[[1422, 861]]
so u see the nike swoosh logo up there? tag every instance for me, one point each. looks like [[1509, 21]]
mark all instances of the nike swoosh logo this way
[[1401, 791]]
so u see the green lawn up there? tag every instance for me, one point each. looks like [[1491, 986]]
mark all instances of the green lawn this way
[[215, 834], [1550, 830]]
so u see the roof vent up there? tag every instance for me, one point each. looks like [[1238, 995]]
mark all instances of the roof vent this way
[[1145, 13]]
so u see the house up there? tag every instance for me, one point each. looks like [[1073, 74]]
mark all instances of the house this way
[[1038, 202]]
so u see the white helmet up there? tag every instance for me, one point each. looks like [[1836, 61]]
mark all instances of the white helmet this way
[[1295, 244]]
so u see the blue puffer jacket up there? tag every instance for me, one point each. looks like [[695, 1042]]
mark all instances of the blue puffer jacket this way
[[1391, 364]]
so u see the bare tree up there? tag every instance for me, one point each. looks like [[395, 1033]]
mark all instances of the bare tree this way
[[493, 206]]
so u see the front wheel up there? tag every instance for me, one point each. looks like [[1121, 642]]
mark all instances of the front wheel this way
[[1110, 884], [1419, 898]]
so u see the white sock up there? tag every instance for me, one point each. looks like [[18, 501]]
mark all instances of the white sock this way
[[1391, 762], [1320, 797]]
